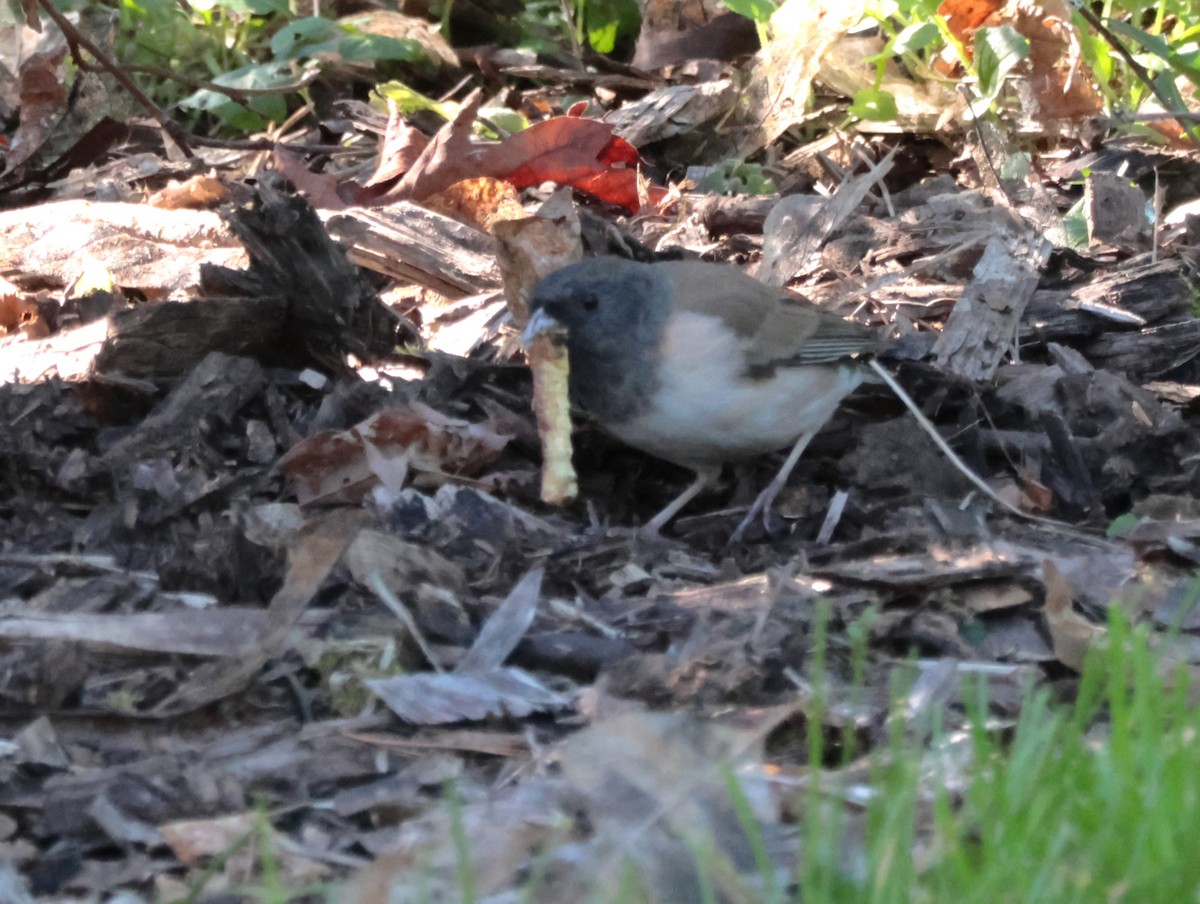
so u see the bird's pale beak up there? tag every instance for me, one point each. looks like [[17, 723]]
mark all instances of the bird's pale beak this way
[[540, 323]]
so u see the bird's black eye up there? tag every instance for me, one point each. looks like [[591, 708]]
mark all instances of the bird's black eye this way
[[590, 303]]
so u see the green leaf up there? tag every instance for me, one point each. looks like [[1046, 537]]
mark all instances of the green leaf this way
[[362, 46], [758, 10], [608, 20], [318, 37], [244, 8], [1123, 524], [264, 108], [289, 42], [603, 38], [874, 104], [916, 37], [997, 51], [408, 101], [511, 121], [1156, 44], [1072, 231]]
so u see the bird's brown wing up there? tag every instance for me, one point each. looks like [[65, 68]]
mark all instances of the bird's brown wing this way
[[782, 329]]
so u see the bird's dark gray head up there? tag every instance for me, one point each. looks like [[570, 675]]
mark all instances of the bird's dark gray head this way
[[614, 311]]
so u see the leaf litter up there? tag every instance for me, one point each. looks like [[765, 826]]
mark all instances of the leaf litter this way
[[276, 573]]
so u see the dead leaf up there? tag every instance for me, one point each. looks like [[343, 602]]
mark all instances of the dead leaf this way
[[447, 159], [434, 699], [324, 191], [569, 150], [1070, 633], [965, 17], [197, 193], [143, 247], [343, 466], [18, 311], [192, 840], [505, 627], [1057, 84], [312, 553], [783, 71], [478, 202], [43, 99], [401, 148]]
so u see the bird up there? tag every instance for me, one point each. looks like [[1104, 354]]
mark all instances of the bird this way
[[699, 364]]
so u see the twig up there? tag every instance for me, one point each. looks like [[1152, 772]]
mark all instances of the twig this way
[[76, 39], [1122, 116], [960, 465], [1138, 69], [237, 95]]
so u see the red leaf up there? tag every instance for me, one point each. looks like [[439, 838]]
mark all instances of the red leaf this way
[[581, 153]]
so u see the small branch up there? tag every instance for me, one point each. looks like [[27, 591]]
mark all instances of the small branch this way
[[237, 95], [1138, 69], [76, 39], [961, 466]]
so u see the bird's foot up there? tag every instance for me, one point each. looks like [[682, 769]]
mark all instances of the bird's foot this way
[[761, 507]]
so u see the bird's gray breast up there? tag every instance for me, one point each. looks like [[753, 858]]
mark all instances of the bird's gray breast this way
[[614, 384]]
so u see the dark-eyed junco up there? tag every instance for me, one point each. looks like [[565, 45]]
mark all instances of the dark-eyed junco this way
[[698, 363]]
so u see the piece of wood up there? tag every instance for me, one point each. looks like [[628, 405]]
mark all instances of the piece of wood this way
[[331, 310], [213, 393], [415, 245], [1141, 293], [983, 326], [1147, 353], [165, 341]]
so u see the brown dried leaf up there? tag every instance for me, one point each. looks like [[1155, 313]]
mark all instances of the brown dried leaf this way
[[449, 157], [196, 193], [478, 202], [401, 148], [344, 465], [191, 840], [1070, 633], [17, 312], [312, 553], [1059, 87], [572, 151], [783, 71], [157, 251], [43, 99]]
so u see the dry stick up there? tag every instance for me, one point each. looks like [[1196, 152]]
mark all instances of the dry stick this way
[[983, 149], [237, 95], [234, 94], [76, 39], [1154, 117], [960, 465], [264, 144], [1138, 69]]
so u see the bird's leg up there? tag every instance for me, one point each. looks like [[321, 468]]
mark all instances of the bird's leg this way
[[762, 505], [704, 477]]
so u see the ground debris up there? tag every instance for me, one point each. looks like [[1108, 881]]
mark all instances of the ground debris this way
[[275, 570]]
